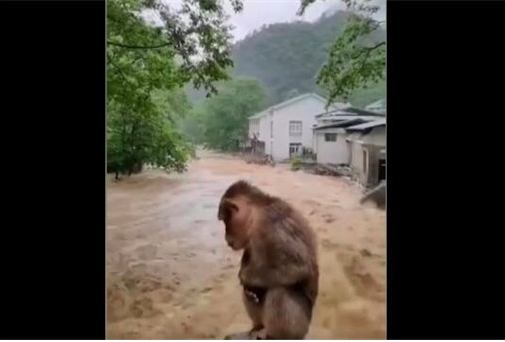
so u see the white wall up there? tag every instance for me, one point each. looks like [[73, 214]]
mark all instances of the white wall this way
[[304, 110], [338, 152], [357, 156], [265, 132], [332, 152], [314, 141], [253, 127], [261, 127], [376, 137]]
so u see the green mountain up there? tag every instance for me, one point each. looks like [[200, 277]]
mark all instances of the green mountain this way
[[286, 59]]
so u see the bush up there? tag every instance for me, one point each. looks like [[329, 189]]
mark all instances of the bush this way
[[296, 163]]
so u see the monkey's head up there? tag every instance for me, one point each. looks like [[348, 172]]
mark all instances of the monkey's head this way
[[236, 210]]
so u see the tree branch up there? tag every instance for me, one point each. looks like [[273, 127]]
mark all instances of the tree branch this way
[[376, 46], [138, 46], [367, 50], [117, 67]]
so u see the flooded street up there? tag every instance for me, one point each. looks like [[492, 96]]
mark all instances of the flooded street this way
[[170, 274]]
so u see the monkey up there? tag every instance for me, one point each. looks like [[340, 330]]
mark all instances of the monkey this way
[[279, 269]]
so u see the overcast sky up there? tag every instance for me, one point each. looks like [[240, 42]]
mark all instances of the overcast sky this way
[[263, 12], [257, 13]]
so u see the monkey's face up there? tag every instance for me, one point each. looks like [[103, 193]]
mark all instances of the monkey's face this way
[[235, 216]]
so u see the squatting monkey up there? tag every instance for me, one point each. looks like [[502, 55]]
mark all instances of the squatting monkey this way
[[279, 271]]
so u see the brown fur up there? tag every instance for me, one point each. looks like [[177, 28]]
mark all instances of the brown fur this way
[[279, 263]]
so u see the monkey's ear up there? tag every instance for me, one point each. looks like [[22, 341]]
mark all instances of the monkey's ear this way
[[226, 209]]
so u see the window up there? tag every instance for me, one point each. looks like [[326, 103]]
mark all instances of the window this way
[[295, 149], [295, 128], [271, 129], [330, 136]]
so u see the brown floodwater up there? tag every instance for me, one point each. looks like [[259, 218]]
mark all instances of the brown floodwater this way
[[170, 274]]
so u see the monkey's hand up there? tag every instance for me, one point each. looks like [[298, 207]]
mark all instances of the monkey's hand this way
[[257, 334], [251, 296]]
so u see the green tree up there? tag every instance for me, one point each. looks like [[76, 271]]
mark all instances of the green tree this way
[[193, 124], [286, 56], [357, 58], [148, 65], [144, 135], [225, 115]]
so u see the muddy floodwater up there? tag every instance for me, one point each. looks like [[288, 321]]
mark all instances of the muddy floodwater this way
[[170, 274]]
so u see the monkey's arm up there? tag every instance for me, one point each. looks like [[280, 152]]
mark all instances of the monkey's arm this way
[[275, 262]]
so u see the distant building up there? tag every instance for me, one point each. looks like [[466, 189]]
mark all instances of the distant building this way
[[343, 134], [284, 130], [354, 137], [367, 143], [330, 133]]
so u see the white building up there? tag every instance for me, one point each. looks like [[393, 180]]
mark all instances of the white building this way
[[287, 127], [330, 133], [367, 142]]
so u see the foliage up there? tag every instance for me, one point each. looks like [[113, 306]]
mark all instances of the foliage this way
[[147, 67], [222, 120], [193, 124], [357, 58], [365, 96], [296, 163], [196, 34], [147, 136], [287, 58]]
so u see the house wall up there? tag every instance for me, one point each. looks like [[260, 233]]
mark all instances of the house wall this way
[[304, 110], [376, 137], [261, 127], [357, 161], [332, 152], [253, 127], [373, 143], [266, 131]]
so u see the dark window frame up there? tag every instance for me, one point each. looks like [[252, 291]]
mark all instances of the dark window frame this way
[[326, 135]]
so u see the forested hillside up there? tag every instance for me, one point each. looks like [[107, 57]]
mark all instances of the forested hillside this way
[[287, 57]]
